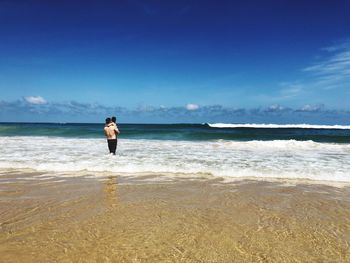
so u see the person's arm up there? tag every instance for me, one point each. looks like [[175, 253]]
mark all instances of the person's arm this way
[[116, 130], [105, 131]]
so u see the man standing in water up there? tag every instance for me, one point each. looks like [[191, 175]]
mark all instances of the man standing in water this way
[[111, 132]]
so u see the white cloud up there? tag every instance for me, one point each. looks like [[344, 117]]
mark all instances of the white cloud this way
[[191, 106], [338, 46], [276, 107], [311, 108], [36, 100], [333, 71]]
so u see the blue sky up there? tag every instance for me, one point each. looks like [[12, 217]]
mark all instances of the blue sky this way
[[175, 61]]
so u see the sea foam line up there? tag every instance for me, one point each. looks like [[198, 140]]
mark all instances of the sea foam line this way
[[276, 126], [261, 159]]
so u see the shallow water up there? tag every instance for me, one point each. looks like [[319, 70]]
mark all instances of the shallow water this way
[[158, 218], [261, 159]]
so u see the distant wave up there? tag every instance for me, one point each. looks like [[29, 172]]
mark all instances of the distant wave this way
[[275, 126]]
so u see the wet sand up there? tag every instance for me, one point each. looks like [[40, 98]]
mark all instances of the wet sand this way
[[153, 218]]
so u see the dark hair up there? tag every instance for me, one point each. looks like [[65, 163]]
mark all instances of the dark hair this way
[[114, 119], [108, 120]]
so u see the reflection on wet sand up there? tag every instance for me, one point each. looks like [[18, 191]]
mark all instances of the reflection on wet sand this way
[[121, 219], [110, 190]]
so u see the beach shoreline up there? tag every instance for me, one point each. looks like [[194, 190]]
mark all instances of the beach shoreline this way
[[46, 218]]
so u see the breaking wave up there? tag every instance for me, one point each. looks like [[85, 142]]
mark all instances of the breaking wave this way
[[277, 126], [287, 159]]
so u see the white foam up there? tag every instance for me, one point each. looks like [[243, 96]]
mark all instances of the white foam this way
[[287, 159], [274, 126]]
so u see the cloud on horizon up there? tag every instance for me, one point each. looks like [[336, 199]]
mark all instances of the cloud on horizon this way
[[192, 106], [73, 111], [35, 100]]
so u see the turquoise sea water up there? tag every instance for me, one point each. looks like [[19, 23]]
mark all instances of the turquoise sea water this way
[[188, 132]]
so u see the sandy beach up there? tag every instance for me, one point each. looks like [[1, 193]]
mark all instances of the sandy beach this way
[[155, 218]]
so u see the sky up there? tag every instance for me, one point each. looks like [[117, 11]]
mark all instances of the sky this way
[[285, 61]]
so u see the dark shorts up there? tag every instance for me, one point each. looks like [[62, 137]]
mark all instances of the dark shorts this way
[[112, 145]]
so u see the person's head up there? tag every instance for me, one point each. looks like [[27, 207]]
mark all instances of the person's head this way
[[108, 120], [114, 119]]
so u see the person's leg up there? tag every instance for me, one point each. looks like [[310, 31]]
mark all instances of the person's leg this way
[[110, 145], [114, 146]]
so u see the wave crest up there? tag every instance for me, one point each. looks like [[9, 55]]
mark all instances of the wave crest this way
[[277, 126]]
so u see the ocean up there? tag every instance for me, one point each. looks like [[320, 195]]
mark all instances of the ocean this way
[[312, 152]]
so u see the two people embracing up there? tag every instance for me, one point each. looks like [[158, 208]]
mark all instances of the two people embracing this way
[[111, 131]]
